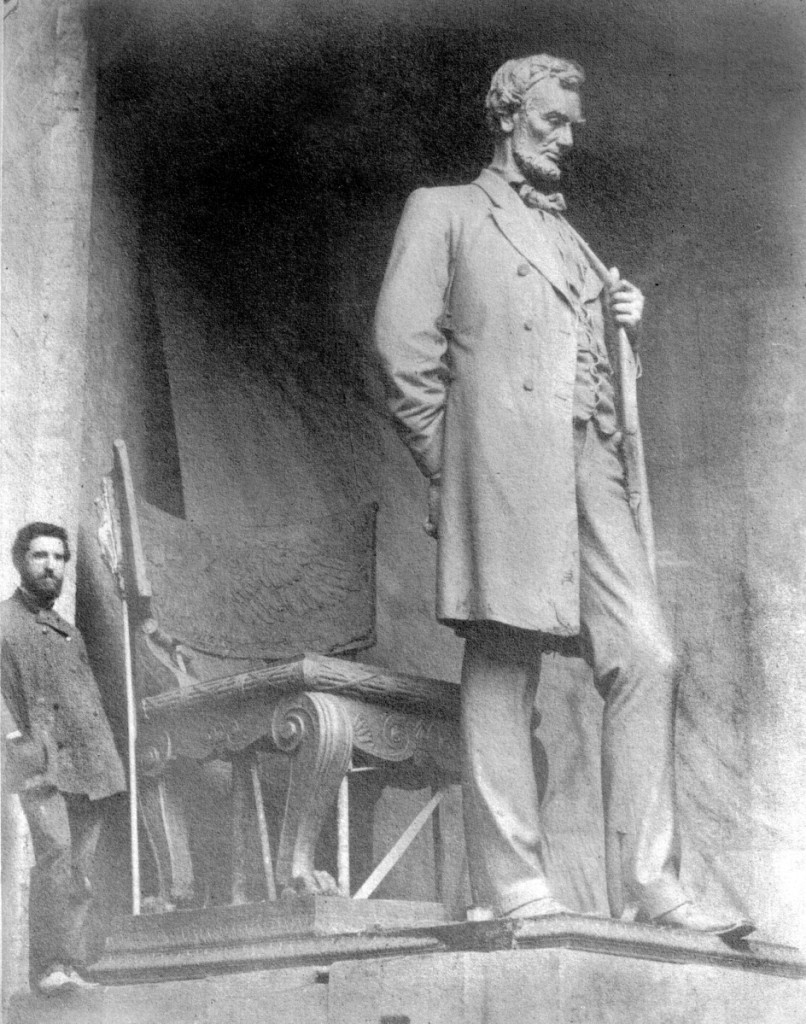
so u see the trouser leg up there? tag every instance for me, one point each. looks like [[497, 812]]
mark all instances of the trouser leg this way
[[64, 832], [500, 674], [86, 817], [49, 894], [625, 641]]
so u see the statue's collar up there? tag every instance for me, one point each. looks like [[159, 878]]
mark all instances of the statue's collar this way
[[519, 227], [498, 186]]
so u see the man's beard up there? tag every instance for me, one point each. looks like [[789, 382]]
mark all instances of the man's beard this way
[[44, 589], [533, 174]]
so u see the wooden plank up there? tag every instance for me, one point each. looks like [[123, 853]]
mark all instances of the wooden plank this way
[[439, 855], [240, 783], [263, 831], [400, 847], [343, 819]]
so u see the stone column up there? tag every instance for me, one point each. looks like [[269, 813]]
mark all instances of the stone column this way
[[49, 92], [48, 126]]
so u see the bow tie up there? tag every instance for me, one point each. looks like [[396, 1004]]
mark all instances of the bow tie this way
[[553, 203]]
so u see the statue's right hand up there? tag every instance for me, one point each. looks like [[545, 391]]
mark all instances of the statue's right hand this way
[[434, 495]]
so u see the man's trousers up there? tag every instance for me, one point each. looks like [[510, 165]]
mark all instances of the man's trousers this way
[[64, 829], [624, 640]]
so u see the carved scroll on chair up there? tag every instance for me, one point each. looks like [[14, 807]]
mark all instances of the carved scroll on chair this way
[[236, 636]]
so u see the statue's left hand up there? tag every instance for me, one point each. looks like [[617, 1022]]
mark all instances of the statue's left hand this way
[[626, 302]]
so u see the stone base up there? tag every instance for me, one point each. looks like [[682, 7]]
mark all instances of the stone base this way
[[560, 970], [306, 929], [619, 938]]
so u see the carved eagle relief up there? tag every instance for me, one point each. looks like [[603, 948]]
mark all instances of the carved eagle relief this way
[[264, 592]]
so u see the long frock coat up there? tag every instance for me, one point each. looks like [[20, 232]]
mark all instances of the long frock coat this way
[[478, 335]]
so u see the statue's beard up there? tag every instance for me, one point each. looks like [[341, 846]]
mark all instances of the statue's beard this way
[[534, 175]]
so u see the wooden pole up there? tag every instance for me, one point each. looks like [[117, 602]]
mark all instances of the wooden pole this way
[[110, 543], [263, 832], [131, 720], [343, 819]]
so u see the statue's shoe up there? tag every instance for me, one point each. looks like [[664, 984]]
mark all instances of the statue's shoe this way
[[690, 917], [79, 983], [546, 906]]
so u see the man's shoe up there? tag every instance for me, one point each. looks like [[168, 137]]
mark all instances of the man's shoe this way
[[546, 906], [690, 917], [79, 983], [56, 982]]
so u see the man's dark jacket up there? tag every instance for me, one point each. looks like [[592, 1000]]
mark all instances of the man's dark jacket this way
[[50, 690]]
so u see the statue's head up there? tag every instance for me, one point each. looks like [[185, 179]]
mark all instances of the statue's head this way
[[532, 106], [514, 79]]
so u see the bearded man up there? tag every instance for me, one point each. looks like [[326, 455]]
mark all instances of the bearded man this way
[[491, 328], [62, 758]]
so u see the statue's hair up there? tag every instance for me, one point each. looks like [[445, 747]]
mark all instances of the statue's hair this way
[[29, 533], [514, 79]]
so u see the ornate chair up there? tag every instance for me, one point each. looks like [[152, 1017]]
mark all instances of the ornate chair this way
[[242, 647]]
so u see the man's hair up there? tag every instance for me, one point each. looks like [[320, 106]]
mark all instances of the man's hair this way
[[32, 530], [514, 79]]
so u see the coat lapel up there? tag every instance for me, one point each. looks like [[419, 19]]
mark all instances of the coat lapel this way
[[521, 230], [55, 621]]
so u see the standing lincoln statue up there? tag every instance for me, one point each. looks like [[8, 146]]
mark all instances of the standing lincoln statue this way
[[491, 328]]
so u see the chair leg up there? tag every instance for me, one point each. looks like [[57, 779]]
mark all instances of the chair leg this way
[[316, 731]]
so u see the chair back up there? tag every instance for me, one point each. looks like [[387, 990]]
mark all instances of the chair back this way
[[254, 593]]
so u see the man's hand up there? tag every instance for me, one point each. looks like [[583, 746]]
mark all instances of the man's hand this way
[[626, 302], [431, 524], [25, 760]]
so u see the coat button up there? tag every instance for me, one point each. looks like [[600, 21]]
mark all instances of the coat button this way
[[528, 384], [523, 269]]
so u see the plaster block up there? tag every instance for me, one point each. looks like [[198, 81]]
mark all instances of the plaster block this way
[[556, 986], [282, 997]]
